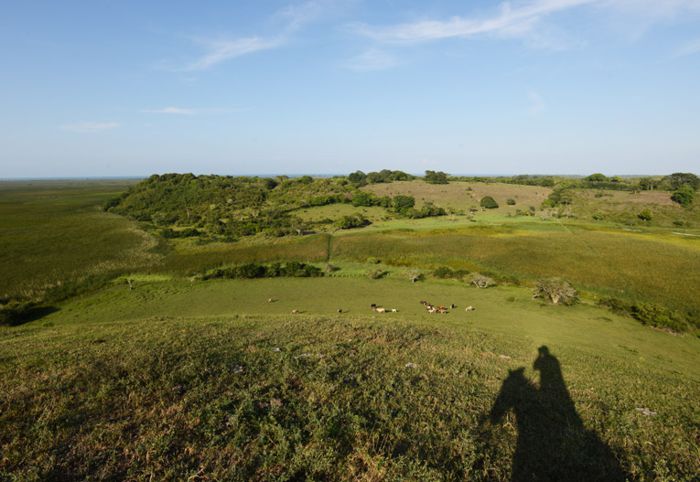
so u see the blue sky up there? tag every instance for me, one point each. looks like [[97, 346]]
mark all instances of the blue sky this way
[[111, 88]]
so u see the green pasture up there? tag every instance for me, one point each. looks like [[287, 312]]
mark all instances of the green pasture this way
[[175, 379]]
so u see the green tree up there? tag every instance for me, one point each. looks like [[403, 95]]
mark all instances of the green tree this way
[[678, 179], [436, 177], [597, 177]]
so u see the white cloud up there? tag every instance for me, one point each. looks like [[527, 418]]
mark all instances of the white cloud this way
[[372, 59], [510, 21], [171, 111], [86, 127], [520, 19], [293, 18], [221, 50]]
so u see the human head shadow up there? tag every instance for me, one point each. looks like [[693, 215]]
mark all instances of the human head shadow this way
[[553, 443], [27, 315]]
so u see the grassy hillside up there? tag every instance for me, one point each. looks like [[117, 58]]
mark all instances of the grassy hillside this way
[[172, 380]]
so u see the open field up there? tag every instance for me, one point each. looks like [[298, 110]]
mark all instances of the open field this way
[[465, 195], [172, 379]]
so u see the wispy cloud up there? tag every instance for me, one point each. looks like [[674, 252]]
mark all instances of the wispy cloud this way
[[510, 20], [290, 20], [519, 19], [219, 51], [87, 127], [371, 59], [170, 111]]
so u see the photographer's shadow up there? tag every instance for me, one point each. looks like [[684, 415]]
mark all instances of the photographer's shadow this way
[[553, 443]]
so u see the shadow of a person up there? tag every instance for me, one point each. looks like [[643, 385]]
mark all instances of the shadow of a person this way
[[553, 443]]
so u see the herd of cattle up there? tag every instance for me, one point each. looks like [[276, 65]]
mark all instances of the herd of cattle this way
[[430, 308]]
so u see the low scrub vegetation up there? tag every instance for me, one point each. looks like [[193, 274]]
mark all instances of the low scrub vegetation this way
[[255, 270], [650, 314]]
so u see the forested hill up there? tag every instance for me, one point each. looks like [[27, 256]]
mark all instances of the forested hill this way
[[225, 205]]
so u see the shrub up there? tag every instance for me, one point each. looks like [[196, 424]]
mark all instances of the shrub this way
[[376, 274], [444, 272], [361, 198], [180, 233], [400, 202], [353, 221], [293, 269], [598, 216], [510, 201], [428, 210], [488, 202], [644, 215], [556, 291], [684, 195], [482, 281], [648, 314]]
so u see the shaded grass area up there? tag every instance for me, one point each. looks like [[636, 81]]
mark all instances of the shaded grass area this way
[[114, 386], [53, 232]]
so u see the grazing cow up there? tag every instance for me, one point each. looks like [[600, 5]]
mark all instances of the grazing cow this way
[[295, 312], [340, 310], [380, 309], [271, 300], [394, 310], [470, 308], [453, 306]]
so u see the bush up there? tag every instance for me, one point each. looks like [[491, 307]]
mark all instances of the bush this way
[[482, 281], [510, 201], [293, 269], [684, 195], [556, 291], [487, 202], [180, 233], [644, 215], [428, 210], [353, 221], [361, 198], [376, 274], [402, 204], [444, 272], [648, 314]]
